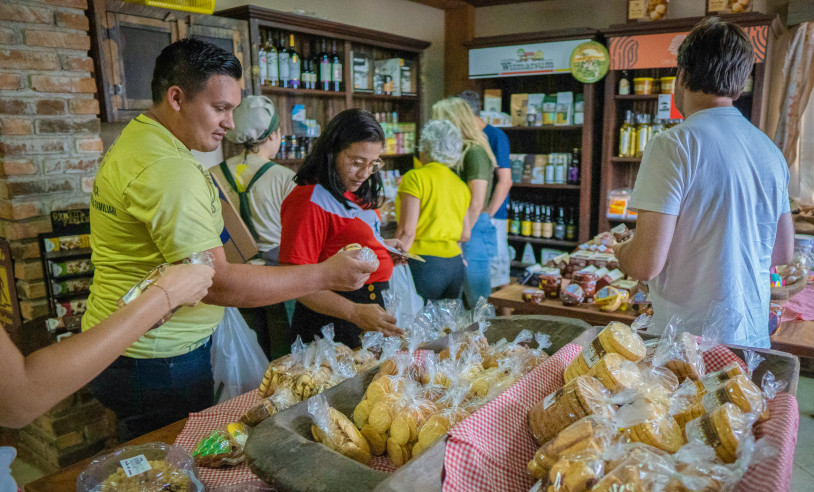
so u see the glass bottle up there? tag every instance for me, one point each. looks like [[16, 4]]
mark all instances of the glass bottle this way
[[515, 225], [509, 217], [559, 227], [272, 68], [293, 64], [559, 170], [537, 224], [627, 136], [306, 66], [336, 70], [571, 227], [624, 84], [262, 60], [573, 168], [643, 132], [324, 67], [525, 224], [548, 224], [283, 57], [549, 169]]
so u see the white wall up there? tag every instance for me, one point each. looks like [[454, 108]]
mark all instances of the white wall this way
[[400, 17]]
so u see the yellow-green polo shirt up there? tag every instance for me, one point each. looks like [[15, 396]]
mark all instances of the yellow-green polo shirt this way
[[444, 199], [152, 203]]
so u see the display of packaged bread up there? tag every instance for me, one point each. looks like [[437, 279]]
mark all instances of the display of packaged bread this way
[[335, 430], [630, 422], [617, 338]]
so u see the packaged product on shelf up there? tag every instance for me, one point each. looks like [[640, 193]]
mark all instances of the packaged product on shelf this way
[[534, 110], [549, 109], [519, 105], [728, 6], [71, 308], [72, 286], [493, 101], [388, 72], [222, 447], [579, 109], [407, 79], [565, 108], [71, 267], [646, 10], [572, 295], [538, 173], [361, 72], [517, 161], [617, 204], [66, 243], [643, 85], [298, 119]]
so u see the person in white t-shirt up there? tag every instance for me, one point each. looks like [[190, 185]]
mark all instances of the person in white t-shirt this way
[[712, 196]]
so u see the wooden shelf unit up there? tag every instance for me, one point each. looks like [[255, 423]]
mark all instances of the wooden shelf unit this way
[[620, 172], [551, 138], [324, 105]]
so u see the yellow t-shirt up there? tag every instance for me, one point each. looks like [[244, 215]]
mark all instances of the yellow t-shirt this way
[[444, 199], [152, 203]]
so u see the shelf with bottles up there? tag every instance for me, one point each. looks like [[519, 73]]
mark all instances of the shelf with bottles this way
[[531, 219], [554, 170], [294, 61], [269, 90], [544, 241]]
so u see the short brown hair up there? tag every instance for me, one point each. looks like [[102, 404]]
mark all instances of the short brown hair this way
[[717, 58]]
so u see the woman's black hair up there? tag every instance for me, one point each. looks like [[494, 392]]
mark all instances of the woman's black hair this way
[[345, 129]]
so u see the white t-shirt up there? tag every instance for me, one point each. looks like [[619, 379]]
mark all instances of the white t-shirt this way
[[728, 184], [265, 196]]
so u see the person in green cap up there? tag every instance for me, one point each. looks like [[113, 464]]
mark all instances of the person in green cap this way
[[255, 182], [258, 186]]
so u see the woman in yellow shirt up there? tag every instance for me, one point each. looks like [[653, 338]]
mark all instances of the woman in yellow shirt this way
[[431, 204]]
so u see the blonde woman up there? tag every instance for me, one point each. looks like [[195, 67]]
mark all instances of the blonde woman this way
[[476, 168]]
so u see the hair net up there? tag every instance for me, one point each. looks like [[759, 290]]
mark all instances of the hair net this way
[[255, 119], [441, 141]]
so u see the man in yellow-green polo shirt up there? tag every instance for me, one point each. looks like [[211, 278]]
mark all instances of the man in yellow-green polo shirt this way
[[153, 203]]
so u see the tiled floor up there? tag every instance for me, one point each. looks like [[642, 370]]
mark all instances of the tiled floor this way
[[801, 481], [803, 478]]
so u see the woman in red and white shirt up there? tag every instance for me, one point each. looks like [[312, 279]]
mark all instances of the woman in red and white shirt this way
[[335, 204]]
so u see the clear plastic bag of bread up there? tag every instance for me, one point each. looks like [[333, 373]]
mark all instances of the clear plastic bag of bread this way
[[579, 398], [374, 415], [413, 409], [650, 423], [592, 433], [685, 403], [222, 447], [266, 407], [363, 253], [616, 337], [503, 348], [637, 467], [743, 393], [452, 408], [656, 385], [368, 355], [282, 372], [450, 311], [677, 350], [576, 473], [333, 429], [392, 301], [699, 470], [723, 429], [459, 340], [151, 467], [616, 373]]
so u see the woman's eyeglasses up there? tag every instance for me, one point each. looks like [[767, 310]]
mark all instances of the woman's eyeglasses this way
[[371, 166]]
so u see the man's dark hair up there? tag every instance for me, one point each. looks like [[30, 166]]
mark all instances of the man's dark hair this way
[[717, 58], [188, 63], [345, 129]]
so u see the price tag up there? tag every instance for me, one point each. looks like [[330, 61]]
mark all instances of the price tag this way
[[636, 9], [135, 465]]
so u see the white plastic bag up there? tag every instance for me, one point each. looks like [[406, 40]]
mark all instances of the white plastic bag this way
[[402, 286], [238, 362]]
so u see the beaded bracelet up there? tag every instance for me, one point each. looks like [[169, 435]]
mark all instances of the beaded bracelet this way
[[167, 295]]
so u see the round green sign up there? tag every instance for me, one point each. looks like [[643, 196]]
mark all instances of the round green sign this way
[[589, 62]]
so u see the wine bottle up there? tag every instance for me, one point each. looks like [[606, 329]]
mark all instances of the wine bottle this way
[[283, 57], [272, 69], [293, 65], [262, 61], [336, 70]]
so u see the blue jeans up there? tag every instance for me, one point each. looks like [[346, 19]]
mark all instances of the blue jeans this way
[[438, 278], [147, 394], [478, 253]]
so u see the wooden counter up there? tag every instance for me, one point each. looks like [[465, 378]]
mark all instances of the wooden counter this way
[[795, 337], [65, 479], [508, 301]]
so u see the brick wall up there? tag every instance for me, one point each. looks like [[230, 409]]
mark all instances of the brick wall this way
[[49, 129]]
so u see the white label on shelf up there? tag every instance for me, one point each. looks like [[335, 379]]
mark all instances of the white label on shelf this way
[[526, 59], [135, 465]]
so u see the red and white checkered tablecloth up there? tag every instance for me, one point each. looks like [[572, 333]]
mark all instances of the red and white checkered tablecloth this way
[[490, 449]]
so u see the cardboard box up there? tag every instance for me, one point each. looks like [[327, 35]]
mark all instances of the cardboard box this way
[[238, 243], [492, 101], [519, 104]]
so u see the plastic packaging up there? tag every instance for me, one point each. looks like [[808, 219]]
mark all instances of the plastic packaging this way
[[579, 398], [364, 254], [752, 360], [743, 393], [722, 429], [572, 295], [590, 433], [413, 410], [336, 431], [238, 362], [637, 467], [222, 447], [150, 467], [279, 401], [719, 321], [677, 350], [616, 337], [715, 379], [650, 423], [616, 373]]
